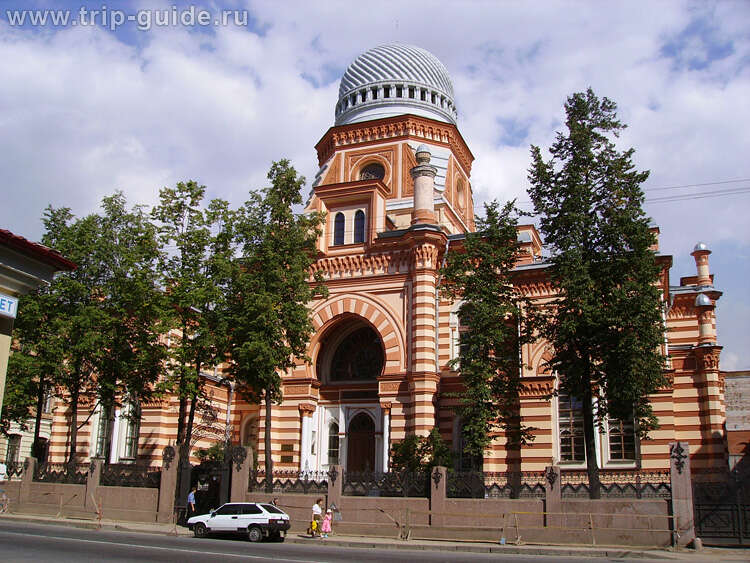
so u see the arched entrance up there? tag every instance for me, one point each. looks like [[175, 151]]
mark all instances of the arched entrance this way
[[360, 438]]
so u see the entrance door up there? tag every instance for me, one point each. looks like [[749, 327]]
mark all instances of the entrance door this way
[[360, 444]]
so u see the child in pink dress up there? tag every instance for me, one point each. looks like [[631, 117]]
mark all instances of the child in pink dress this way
[[326, 527]]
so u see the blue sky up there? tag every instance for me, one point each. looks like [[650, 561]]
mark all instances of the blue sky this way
[[85, 110]]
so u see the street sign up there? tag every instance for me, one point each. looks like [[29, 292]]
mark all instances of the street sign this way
[[8, 306]]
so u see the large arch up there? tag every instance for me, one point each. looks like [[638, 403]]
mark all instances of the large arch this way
[[375, 313]]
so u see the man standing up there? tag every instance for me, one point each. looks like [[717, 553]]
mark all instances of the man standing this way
[[191, 502]]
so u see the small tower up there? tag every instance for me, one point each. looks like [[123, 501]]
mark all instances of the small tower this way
[[423, 175]]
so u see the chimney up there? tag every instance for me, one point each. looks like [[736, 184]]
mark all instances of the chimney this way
[[423, 175]]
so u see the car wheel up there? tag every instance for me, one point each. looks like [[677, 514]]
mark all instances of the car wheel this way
[[254, 534], [200, 530]]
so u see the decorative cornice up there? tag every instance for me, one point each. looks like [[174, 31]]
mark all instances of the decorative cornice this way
[[403, 126]]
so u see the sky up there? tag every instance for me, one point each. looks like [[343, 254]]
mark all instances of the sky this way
[[95, 106]]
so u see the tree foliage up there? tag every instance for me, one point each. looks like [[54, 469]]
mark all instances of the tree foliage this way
[[606, 325], [270, 290], [496, 320], [197, 248], [420, 453]]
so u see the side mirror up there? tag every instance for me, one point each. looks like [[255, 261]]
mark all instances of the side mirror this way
[[213, 510]]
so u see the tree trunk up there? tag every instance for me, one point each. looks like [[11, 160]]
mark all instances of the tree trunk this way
[[74, 397], [589, 436], [267, 445], [36, 446]]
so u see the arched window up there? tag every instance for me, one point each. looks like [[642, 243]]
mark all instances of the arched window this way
[[338, 229], [358, 357], [372, 171], [333, 443], [359, 226]]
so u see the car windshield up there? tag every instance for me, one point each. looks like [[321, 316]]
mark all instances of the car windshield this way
[[272, 509]]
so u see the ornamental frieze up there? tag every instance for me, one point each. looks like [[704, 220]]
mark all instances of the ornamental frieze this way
[[425, 255], [362, 265]]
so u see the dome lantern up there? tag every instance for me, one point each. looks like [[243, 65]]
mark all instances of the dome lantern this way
[[395, 79]]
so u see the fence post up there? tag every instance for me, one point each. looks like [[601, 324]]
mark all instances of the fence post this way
[[167, 485], [93, 479], [335, 486], [553, 497], [437, 484], [27, 479], [240, 466], [683, 523]]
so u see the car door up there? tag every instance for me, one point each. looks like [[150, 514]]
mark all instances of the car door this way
[[224, 519]]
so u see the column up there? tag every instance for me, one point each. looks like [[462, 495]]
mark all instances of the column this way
[[306, 411], [423, 376], [386, 408], [682, 492]]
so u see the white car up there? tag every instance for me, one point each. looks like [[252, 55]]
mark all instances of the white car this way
[[257, 520]]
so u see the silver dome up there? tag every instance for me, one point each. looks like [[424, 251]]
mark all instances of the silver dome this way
[[395, 79], [702, 300], [700, 246]]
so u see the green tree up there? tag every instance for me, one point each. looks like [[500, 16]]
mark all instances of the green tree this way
[[270, 290], [34, 365], [606, 325], [132, 305], [194, 270], [71, 309], [420, 453], [497, 320]]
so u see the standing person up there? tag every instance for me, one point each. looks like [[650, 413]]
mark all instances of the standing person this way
[[191, 502], [275, 501], [317, 517], [327, 522]]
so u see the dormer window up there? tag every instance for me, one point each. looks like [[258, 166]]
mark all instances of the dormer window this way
[[339, 227], [359, 227], [372, 171]]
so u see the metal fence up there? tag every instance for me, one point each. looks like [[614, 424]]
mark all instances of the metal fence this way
[[392, 484], [721, 505], [289, 481], [487, 484], [127, 475], [618, 484], [71, 473], [14, 470]]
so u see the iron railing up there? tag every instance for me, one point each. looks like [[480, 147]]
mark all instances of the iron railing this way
[[290, 481], [71, 473], [618, 484], [126, 475], [486, 484], [392, 484]]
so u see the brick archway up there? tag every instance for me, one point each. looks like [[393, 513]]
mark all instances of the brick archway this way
[[375, 313]]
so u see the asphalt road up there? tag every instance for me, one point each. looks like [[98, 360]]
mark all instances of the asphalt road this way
[[21, 542]]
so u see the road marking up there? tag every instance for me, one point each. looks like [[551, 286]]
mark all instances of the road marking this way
[[194, 552]]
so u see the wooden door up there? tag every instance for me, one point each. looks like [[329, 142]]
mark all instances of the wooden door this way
[[360, 444]]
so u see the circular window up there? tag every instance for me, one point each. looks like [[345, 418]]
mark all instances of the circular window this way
[[372, 171]]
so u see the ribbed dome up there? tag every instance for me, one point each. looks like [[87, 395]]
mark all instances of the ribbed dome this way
[[393, 80]]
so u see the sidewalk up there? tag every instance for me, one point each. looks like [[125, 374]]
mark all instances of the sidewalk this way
[[707, 555]]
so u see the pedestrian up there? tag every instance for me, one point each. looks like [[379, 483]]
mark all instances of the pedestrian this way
[[317, 517], [275, 501], [327, 522], [191, 502]]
